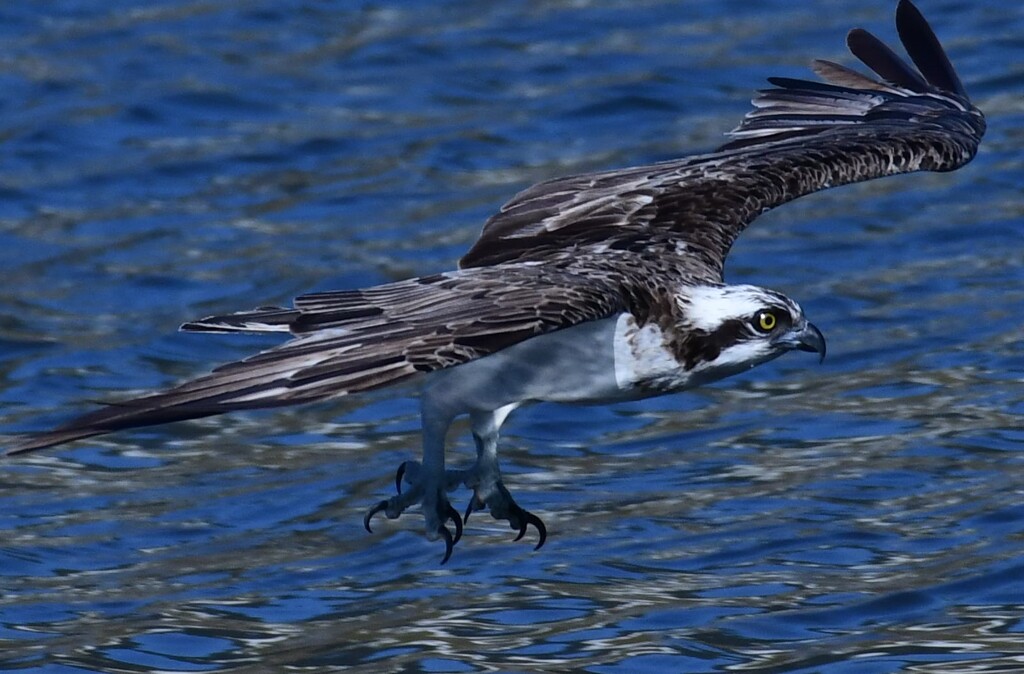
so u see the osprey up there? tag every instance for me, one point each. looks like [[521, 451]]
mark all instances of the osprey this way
[[590, 288]]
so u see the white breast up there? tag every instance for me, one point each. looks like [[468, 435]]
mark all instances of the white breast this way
[[595, 362], [642, 363]]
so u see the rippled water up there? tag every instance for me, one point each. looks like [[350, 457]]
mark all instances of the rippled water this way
[[165, 160]]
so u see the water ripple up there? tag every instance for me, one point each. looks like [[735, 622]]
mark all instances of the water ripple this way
[[168, 160]]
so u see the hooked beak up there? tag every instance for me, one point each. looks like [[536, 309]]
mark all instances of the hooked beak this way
[[811, 339], [806, 338]]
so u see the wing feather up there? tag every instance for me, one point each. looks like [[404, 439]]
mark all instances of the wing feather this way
[[676, 218], [925, 51], [377, 336], [877, 55], [800, 137]]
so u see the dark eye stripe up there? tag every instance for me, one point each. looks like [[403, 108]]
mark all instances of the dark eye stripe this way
[[700, 347]]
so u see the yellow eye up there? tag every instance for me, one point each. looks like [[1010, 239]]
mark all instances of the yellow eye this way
[[766, 321]]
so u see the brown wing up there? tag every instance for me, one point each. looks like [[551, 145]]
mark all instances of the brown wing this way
[[801, 137], [355, 340]]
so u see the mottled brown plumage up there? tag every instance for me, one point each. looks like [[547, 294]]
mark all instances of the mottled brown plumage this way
[[800, 138], [586, 247]]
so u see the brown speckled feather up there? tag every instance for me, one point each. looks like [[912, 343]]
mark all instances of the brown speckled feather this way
[[801, 137], [585, 247], [354, 340]]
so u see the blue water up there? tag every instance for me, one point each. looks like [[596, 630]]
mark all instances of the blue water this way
[[165, 160]]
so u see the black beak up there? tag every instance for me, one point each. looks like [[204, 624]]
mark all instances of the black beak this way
[[810, 339]]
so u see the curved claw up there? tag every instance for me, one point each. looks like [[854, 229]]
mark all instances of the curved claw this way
[[453, 514], [383, 505], [449, 544], [528, 519], [399, 474], [471, 508]]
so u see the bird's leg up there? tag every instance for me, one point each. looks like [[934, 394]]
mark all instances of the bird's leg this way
[[484, 478], [426, 484]]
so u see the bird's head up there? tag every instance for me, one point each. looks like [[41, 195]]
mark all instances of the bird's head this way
[[728, 329]]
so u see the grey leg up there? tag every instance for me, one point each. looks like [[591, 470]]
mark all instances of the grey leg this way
[[484, 478], [427, 482]]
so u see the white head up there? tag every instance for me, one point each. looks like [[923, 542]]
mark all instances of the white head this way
[[728, 329]]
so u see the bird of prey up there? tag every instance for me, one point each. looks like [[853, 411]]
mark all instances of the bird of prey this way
[[590, 288]]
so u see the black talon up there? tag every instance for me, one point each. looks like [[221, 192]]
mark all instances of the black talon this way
[[522, 530], [399, 475], [538, 524], [529, 518], [449, 544], [471, 508], [454, 516], [383, 505]]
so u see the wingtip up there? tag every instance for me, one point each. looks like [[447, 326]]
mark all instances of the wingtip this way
[[925, 49], [907, 12], [197, 326], [30, 442], [886, 63]]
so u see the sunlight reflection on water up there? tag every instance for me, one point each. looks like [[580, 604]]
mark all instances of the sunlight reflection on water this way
[[170, 160]]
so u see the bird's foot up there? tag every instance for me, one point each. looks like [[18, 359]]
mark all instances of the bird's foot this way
[[430, 494], [490, 493]]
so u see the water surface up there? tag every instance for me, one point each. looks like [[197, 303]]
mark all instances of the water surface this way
[[165, 160]]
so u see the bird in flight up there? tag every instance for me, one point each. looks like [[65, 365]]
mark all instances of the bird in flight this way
[[590, 288]]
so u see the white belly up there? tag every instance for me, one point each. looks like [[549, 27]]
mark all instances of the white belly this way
[[596, 362]]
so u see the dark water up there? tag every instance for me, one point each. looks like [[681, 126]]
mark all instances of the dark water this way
[[164, 160]]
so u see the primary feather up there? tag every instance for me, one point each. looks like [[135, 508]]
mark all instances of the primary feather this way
[[581, 248]]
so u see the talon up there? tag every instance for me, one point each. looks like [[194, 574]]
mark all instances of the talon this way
[[538, 524], [529, 518], [453, 514], [399, 474], [471, 507], [522, 531], [383, 505], [449, 544]]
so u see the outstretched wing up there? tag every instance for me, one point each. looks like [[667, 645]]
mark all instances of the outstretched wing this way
[[801, 137], [355, 340]]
